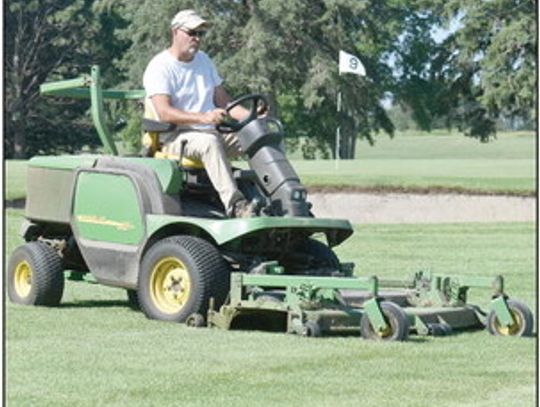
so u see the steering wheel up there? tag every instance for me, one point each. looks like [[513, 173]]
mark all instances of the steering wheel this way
[[257, 102]]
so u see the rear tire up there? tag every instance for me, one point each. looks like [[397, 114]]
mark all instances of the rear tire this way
[[178, 277], [398, 324], [35, 275]]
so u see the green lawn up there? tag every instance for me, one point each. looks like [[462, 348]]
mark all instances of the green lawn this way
[[440, 144], [94, 351], [486, 175], [415, 161], [443, 144]]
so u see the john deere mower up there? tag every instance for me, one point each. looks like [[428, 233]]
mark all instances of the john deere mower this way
[[154, 226]]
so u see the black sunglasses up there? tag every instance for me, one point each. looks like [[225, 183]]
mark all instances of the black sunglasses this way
[[194, 33]]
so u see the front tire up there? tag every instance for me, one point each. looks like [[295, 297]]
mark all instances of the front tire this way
[[133, 300], [178, 277], [35, 275], [396, 319], [523, 321], [311, 257]]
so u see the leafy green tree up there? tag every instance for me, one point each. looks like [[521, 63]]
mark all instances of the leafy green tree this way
[[498, 42], [485, 68], [52, 40]]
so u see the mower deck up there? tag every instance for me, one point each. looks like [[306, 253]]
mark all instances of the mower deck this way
[[316, 306]]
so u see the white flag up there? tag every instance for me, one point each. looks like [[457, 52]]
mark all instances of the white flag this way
[[350, 63]]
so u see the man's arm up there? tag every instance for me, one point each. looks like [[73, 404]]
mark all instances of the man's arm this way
[[168, 113], [222, 99]]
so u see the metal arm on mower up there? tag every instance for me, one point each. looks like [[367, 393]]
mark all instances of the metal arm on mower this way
[[89, 86], [311, 305]]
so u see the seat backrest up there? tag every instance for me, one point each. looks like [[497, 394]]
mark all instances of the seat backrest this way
[[151, 143], [150, 140]]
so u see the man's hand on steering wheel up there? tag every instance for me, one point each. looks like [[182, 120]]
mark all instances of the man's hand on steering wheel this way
[[215, 116], [258, 107]]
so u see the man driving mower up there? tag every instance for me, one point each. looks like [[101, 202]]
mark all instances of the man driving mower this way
[[184, 88]]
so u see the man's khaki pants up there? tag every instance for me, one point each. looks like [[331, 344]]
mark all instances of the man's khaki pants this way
[[214, 150]]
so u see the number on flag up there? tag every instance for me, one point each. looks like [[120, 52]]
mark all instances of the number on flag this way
[[350, 63]]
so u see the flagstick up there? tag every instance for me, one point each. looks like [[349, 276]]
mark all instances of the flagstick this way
[[338, 135], [352, 64]]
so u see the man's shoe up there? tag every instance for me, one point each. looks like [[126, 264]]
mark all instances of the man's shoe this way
[[243, 209]]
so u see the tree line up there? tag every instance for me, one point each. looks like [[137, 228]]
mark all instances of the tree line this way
[[458, 63]]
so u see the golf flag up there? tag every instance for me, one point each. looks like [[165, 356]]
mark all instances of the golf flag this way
[[350, 63]]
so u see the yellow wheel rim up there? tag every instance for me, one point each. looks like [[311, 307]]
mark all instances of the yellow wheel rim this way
[[170, 285], [23, 279], [386, 332], [510, 330]]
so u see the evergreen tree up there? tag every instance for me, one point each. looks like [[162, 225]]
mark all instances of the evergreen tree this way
[[485, 68]]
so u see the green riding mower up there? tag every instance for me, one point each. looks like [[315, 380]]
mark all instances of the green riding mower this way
[[154, 226]]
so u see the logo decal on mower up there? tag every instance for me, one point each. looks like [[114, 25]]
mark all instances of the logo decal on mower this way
[[100, 220]]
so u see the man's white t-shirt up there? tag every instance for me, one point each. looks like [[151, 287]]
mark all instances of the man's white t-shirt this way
[[189, 84]]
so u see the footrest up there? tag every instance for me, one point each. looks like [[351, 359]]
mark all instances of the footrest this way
[[248, 175]]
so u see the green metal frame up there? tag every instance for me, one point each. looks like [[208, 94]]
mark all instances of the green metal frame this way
[[89, 86], [227, 230], [445, 290], [500, 307], [307, 298], [436, 299], [444, 298]]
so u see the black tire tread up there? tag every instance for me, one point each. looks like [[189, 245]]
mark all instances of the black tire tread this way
[[322, 252], [217, 274], [213, 275], [322, 259], [47, 274], [133, 300]]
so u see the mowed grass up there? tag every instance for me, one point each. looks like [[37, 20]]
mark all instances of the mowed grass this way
[[412, 161], [93, 350], [475, 175], [416, 160]]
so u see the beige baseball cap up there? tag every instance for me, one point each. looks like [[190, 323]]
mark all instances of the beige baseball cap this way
[[188, 19]]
